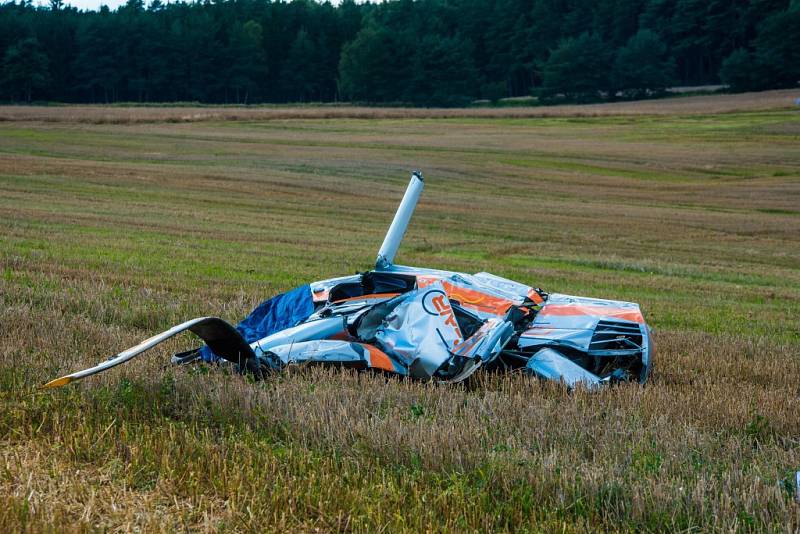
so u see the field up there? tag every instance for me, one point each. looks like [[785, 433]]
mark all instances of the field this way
[[116, 223]]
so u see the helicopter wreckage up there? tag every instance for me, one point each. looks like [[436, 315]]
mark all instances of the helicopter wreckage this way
[[422, 323]]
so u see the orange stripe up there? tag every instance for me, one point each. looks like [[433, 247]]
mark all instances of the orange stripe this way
[[469, 298], [603, 311], [340, 336], [537, 331], [535, 296], [378, 359], [470, 343]]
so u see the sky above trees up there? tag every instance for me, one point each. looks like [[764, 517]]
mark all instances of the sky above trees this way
[[92, 5]]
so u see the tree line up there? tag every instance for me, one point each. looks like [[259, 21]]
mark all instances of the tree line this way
[[420, 52]]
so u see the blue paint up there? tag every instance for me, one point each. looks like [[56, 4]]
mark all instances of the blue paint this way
[[273, 315]]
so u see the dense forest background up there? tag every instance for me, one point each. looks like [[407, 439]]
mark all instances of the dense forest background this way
[[423, 52]]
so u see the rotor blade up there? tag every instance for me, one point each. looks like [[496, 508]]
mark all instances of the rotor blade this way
[[220, 336]]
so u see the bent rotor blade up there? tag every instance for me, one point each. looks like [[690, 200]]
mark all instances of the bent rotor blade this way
[[220, 336]]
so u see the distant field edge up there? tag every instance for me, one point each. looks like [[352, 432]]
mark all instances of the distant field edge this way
[[135, 113]]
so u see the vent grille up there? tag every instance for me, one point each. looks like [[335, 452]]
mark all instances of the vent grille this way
[[616, 338]]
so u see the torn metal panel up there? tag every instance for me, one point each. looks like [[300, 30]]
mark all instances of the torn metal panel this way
[[424, 323], [324, 328], [488, 341], [345, 353], [422, 330], [223, 338], [552, 365]]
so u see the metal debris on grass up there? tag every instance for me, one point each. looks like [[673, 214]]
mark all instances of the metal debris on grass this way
[[427, 324]]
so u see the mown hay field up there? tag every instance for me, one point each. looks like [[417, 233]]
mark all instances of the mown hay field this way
[[111, 231]]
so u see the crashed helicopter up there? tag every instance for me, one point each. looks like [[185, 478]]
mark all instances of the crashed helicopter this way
[[426, 324]]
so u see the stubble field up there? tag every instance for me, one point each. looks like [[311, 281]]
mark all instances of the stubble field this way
[[114, 229]]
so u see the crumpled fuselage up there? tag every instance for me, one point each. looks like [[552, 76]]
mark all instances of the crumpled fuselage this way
[[444, 325]]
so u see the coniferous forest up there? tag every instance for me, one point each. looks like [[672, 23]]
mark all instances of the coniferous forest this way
[[423, 52]]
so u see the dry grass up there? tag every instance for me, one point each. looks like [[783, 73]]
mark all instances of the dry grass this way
[[96, 114], [112, 232]]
